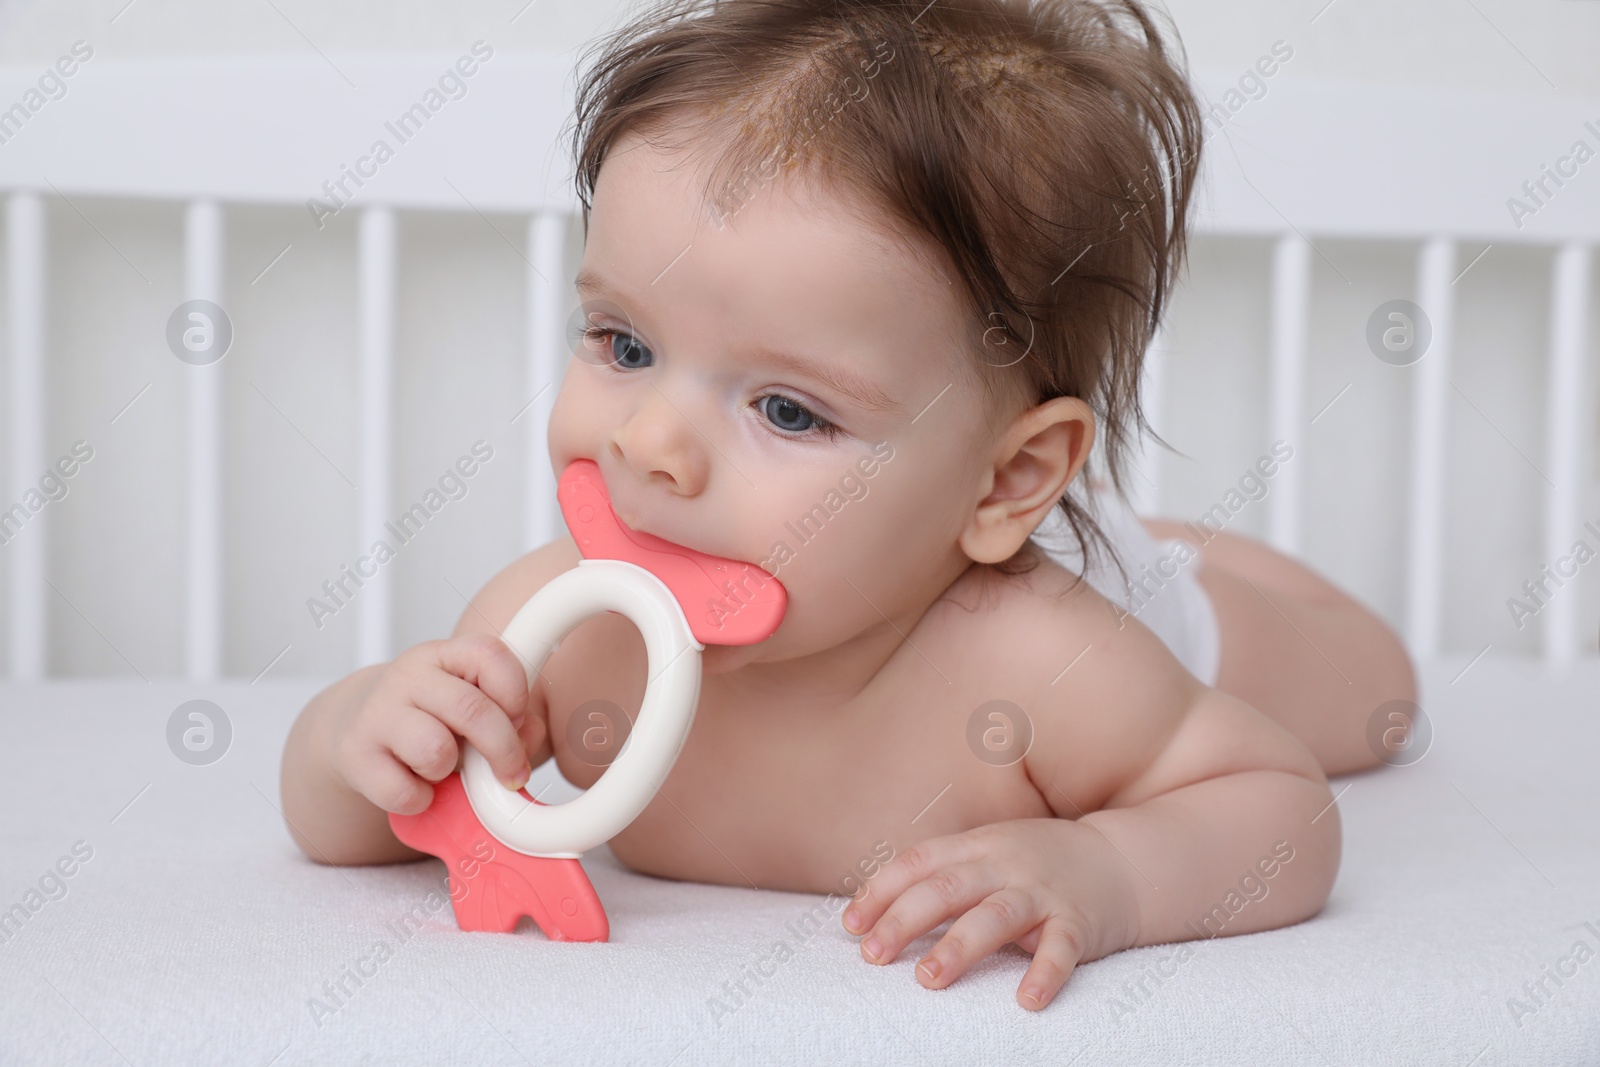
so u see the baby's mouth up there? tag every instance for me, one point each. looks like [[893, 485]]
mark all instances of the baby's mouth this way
[[726, 601]]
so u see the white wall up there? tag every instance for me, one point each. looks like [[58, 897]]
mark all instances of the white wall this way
[[1512, 45]]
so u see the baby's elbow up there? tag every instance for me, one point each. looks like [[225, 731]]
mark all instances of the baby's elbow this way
[[319, 854], [309, 850], [354, 853]]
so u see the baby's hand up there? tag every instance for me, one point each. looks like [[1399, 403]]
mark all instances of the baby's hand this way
[[401, 737], [1053, 886]]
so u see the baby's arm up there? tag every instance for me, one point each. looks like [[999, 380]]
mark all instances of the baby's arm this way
[[1204, 817], [1227, 830], [375, 741]]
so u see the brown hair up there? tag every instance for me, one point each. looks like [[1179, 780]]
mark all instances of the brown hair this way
[[1048, 147]]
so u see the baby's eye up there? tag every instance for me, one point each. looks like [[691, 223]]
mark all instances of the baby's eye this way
[[791, 416], [627, 351]]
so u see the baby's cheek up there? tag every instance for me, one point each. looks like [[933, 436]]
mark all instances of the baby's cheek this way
[[578, 422], [822, 614]]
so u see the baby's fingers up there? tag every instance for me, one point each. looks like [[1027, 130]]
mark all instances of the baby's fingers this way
[[913, 865], [424, 744], [488, 663], [465, 709], [998, 919], [944, 893], [1058, 952], [383, 778]]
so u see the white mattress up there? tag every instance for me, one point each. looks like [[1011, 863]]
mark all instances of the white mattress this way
[[196, 933]]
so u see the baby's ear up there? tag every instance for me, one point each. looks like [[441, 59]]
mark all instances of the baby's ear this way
[[1034, 461]]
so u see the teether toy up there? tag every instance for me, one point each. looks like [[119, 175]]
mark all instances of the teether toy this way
[[507, 854]]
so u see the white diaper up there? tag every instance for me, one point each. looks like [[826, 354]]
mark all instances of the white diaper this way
[[1163, 592]]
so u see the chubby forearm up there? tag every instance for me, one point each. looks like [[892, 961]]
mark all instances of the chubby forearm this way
[[1237, 853], [331, 822]]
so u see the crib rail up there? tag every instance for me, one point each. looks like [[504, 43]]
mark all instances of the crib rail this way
[[1300, 164]]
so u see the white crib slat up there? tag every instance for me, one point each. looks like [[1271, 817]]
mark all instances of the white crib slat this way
[[1569, 290], [1425, 554], [377, 267], [203, 242], [28, 546], [1145, 483], [1291, 317], [546, 352]]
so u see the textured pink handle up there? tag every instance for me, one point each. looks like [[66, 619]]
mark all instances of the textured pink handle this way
[[726, 602], [491, 886]]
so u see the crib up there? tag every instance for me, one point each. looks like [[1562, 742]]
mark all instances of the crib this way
[[218, 208], [180, 557]]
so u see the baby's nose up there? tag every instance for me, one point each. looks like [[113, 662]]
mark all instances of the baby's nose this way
[[660, 443]]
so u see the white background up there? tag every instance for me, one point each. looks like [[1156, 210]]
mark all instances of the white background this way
[[117, 550]]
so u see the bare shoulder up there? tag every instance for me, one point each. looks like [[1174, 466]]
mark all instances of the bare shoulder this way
[[503, 595], [1044, 625], [1116, 717]]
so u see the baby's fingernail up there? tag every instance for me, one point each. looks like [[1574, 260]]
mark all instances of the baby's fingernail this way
[[874, 947], [851, 918], [931, 968], [1032, 996]]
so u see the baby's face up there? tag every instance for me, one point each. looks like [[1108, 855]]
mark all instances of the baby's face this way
[[790, 389]]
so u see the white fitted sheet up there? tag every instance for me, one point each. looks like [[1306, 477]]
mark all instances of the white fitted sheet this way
[[197, 933]]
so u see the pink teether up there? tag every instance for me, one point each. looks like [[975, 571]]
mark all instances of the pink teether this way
[[725, 601], [491, 886]]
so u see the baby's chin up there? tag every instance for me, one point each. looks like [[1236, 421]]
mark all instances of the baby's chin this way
[[721, 659], [778, 651]]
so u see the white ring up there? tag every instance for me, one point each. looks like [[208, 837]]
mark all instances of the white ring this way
[[629, 784]]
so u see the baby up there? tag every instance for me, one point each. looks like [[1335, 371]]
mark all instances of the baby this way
[[863, 283]]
